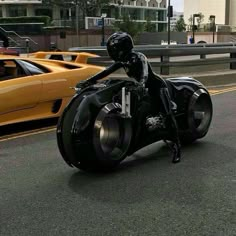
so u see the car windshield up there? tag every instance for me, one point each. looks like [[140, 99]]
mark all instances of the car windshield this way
[[33, 68]]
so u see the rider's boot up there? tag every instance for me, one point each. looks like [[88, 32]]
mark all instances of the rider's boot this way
[[176, 153]]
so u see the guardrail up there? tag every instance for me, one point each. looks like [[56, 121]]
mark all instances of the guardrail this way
[[165, 52]]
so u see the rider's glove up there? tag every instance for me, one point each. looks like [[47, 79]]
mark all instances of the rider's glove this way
[[83, 84]]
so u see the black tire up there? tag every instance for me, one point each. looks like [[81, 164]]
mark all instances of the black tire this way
[[65, 138], [199, 117], [82, 150]]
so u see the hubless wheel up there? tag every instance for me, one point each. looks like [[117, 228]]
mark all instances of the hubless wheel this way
[[199, 116], [102, 145], [112, 133]]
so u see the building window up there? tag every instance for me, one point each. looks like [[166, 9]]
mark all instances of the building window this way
[[64, 13], [15, 11], [43, 12]]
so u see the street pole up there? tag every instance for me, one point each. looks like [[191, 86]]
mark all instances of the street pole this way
[[103, 32], [214, 33], [194, 15], [77, 20], [214, 28], [120, 2], [27, 46], [168, 22], [213, 21], [103, 16], [193, 29]]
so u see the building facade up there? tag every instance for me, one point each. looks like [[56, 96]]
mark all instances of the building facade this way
[[13, 8], [154, 11], [223, 10], [231, 9], [174, 19], [140, 10]]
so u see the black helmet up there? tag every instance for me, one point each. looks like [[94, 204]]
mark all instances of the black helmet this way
[[119, 45]]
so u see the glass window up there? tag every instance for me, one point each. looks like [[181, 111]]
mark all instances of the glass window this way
[[43, 12], [9, 70], [151, 15], [15, 11], [33, 68], [133, 13]]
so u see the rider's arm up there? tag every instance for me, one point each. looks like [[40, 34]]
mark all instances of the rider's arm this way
[[137, 67], [100, 75]]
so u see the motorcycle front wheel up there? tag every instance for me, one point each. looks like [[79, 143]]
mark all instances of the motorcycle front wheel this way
[[102, 145]]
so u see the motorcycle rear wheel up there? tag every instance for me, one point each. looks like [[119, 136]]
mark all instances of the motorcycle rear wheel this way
[[199, 116]]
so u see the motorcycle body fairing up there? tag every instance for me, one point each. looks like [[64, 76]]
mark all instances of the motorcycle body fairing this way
[[187, 92], [89, 107], [93, 103], [183, 87], [180, 89]]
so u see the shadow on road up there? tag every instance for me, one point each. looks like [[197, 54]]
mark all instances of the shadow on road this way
[[27, 126], [144, 175]]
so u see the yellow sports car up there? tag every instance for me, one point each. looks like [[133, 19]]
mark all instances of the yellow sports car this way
[[33, 88]]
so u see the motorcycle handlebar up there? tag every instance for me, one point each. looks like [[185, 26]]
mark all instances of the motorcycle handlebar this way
[[92, 80]]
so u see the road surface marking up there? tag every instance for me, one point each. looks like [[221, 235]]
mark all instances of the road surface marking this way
[[220, 91], [27, 133]]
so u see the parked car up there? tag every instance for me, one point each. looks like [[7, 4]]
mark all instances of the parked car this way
[[166, 42], [32, 88], [9, 51]]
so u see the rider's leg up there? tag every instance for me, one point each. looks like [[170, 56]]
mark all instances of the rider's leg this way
[[171, 123]]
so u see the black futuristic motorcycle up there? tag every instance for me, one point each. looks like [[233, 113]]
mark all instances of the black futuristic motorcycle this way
[[109, 119]]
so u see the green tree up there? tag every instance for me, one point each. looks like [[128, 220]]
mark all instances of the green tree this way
[[180, 24], [149, 26], [129, 26]]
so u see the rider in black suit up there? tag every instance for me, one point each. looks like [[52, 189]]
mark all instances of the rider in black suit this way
[[120, 49]]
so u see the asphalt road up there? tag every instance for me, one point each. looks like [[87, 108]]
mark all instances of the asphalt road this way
[[146, 195]]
